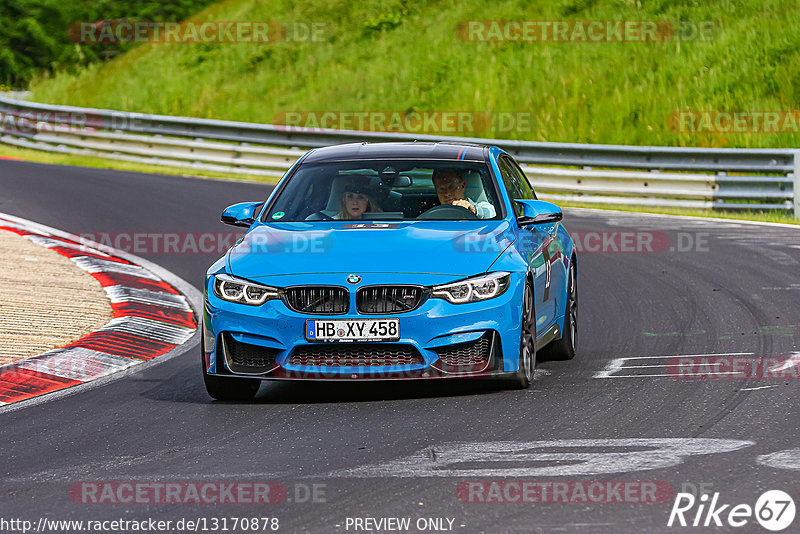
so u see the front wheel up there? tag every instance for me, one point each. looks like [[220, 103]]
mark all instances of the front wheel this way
[[226, 388], [527, 345]]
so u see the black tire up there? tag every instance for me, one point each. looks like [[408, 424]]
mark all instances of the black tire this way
[[527, 345], [564, 348], [228, 389]]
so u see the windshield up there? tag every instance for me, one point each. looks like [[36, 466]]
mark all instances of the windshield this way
[[387, 190]]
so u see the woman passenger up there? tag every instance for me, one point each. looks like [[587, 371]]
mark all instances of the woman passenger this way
[[357, 199]]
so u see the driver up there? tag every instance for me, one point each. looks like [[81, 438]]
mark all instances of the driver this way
[[450, 187]]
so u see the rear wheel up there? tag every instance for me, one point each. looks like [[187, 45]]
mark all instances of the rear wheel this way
[[226, 388], [564, 348], [527, 345]]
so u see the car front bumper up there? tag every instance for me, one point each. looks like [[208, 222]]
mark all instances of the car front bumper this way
[[437, 340]]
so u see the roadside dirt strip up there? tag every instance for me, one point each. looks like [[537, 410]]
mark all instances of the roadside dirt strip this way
[[46, 301], [148, 316]]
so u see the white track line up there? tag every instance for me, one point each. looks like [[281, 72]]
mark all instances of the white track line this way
[[618, 364], [793, 361], [759, 387]]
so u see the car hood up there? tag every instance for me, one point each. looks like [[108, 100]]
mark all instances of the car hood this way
[[459, 248]]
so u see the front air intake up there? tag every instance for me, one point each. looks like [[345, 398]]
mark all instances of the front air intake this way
[[389, 299], [323, 300]]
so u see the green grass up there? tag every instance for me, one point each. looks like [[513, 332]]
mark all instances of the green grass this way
[[405, 55], [38, 156]]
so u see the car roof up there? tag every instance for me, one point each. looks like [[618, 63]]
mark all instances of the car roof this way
[[407, 150]]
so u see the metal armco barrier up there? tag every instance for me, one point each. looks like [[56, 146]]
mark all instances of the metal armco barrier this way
[[610, 174]]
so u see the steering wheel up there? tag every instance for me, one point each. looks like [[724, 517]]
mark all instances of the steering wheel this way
[[319, 216], [447, 211]]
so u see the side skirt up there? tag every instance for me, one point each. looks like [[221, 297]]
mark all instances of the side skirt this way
[[551, 334]]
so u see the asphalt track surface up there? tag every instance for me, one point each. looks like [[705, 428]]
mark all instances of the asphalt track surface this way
[[738, 293]]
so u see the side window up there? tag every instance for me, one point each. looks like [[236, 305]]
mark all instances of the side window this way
[[512, 181], [523, 179]]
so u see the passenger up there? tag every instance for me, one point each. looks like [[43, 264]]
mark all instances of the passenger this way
[[450, 187], [357, 199]]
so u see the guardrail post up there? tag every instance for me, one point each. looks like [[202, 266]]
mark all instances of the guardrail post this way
[[796, 190]]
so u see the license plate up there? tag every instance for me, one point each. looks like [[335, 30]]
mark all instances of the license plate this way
[[358, 330]]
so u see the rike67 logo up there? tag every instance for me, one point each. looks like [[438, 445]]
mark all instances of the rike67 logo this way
[[774, 510]]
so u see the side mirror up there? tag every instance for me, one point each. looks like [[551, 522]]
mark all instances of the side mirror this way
[[241, 214], [538, 212]]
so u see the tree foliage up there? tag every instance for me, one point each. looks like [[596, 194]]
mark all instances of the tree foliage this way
[[34, 34]]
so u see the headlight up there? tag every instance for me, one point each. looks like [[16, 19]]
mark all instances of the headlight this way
[[237, 290], [483, 287]]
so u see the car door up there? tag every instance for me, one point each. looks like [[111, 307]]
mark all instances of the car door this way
[[533, 244], [554, 252]]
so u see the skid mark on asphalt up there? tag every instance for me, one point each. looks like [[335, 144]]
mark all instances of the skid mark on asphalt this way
[[768, 330], [790, 287]]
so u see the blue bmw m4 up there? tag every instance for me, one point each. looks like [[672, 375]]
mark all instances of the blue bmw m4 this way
[[389, 261]]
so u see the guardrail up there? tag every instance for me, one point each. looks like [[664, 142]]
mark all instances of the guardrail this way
[[611, 174]]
